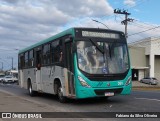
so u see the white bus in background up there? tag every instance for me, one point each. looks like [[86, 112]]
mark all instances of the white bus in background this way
[[14, 74]]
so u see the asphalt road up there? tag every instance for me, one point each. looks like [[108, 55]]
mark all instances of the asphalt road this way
[[138, 101]]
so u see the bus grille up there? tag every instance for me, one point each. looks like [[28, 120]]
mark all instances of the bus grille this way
[[102, 92]]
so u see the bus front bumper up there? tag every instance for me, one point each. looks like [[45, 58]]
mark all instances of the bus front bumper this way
[[83, 92]]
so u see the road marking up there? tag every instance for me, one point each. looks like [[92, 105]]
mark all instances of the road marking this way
[[147, 99]]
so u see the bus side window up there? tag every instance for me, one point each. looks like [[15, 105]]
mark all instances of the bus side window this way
[[38, 59], [31, 58], [56, 51], [26, 59], [46, 54], [21, 61]]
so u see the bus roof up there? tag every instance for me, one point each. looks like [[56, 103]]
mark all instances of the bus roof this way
[[66, 32]]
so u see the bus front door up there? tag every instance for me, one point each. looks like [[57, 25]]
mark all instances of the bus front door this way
[[38, 70], [69, 65]]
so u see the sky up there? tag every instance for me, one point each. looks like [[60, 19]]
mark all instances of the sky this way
[[25, 22]]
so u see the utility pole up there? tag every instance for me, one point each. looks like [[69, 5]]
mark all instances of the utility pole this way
[[12, 63], [125, 22]]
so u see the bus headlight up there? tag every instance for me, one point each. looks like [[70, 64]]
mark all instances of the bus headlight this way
[[83, 82], [128, 81]]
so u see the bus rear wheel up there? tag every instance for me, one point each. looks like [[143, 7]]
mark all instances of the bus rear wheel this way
[[61, 98], [30, 90]]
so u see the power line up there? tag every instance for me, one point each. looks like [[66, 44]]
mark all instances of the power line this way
[[6, 64], [145, 23], [144, 31], [140, 25], [147, 38]]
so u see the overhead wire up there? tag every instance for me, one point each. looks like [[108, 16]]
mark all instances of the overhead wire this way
[[144, 31]]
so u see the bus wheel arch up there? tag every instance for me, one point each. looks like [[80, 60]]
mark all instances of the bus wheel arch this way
[[58, 90]]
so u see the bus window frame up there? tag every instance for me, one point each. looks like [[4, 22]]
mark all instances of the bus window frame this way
[[26, 60], [46, 54], [31, 59], [21, 61]]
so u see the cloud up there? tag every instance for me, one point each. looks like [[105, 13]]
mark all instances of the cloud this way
[[10, 1], [25, 22], [130, 2], [85, 8]]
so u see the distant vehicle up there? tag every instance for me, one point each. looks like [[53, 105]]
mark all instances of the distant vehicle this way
[[1, 77], [13, 73], [9, 79], [149, 80]]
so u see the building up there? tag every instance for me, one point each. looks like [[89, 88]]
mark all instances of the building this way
[[145, 58]]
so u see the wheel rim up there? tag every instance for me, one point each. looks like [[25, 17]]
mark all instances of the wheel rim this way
[[30, 89]]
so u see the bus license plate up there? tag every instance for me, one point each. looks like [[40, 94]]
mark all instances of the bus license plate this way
[[109, 94]]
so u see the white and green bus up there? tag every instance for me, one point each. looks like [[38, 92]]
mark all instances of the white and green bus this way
[[77, 63]]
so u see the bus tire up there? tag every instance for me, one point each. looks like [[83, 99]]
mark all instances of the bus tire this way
[[30, 90], [61, 98]]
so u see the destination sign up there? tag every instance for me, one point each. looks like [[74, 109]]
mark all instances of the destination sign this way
[[100, 34]]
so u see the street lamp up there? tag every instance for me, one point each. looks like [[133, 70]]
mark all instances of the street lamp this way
[[100, 23]]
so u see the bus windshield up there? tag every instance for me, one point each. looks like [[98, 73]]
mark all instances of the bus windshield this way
[[99, 57]]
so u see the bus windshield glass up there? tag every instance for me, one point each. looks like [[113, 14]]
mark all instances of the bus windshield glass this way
[[97, 57]]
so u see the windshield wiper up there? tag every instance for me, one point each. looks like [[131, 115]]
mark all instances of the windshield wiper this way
[[95, 44], [109, 51]]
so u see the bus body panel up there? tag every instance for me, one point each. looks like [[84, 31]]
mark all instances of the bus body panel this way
[[48, 75], [21, 78], [27, 74]]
